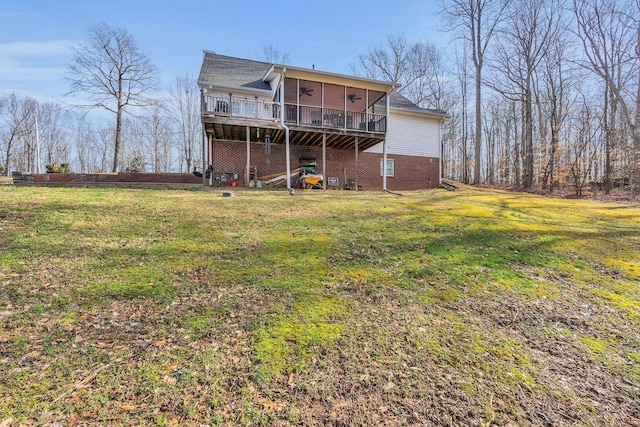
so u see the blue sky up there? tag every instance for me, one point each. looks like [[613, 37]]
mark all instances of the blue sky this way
[[329, 34]]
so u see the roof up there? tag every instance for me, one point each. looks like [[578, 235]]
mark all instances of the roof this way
[[229, 71], [233, 72], [397, 101]]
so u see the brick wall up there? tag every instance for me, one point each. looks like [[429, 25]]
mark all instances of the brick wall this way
[[411, 173], [122, 177]]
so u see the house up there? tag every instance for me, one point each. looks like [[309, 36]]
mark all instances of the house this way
[[277, 125]]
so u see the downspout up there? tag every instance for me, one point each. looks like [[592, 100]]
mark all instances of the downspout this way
[[286, 130], [204, 138], [384, 149], [442, 122], [384, 145]]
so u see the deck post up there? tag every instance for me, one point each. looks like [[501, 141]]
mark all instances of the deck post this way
[[357, 163], [324, 161], [246, 171], [210, 141], [204, 139], [288, 157]]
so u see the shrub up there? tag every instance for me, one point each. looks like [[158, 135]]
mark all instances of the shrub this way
[[58, 168]]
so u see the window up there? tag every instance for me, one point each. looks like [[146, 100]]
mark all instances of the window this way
[[390, 167]]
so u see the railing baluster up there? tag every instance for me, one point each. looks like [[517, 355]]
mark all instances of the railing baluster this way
[[314, 116]]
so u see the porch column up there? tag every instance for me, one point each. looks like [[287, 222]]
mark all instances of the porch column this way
[[384, 143], [206, 152], [324, 161], [357, 163], [210, 140], [246, 171], [288, 157], [205, 140]]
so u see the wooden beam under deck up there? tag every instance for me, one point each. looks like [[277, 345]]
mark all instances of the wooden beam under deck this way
[[235, 130]]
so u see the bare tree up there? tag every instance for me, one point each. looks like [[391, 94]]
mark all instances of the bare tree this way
[[154, 133], [82, 136], [418, 67], [461, 62], [185, 100], [388, 62], [583, 145], [16, 118], [476, 21], [103, 147], [428, 84], [609, 31], [112, 71], [273, 55], [556, 85], [52, 120], [530, 28]]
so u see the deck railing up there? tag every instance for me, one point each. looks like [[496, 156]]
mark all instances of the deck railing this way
[[334, 118], [243, 107], [255, 108]]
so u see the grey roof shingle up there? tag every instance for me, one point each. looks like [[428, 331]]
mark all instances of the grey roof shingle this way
[[397, 100], [230, 71], [238, 72]]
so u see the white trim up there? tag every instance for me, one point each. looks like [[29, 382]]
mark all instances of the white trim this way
[[212, 87], [384, 170], [341, 79], [422, 113]]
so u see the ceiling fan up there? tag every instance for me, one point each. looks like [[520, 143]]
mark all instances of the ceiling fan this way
[[353, 98], [305, 91]]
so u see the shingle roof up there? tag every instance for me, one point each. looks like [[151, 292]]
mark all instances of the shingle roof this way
[[230, 71], [238, 72], [397, 100]]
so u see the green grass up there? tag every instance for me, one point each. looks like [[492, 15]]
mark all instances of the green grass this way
[[181, 307]]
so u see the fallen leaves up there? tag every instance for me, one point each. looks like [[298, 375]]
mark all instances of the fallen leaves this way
[[389, 386], [169, 380]]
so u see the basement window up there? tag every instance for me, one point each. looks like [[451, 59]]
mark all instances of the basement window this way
[[390, 167]]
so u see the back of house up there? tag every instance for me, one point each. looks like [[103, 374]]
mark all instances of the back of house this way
[[278, 125]]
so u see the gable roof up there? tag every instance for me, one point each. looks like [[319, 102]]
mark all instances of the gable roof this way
[[397, 101], [232, 72]]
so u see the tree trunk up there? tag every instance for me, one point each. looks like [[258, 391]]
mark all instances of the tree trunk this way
[[635, 181], [528, 140], [117, 142], [609, 122], [478, 138]]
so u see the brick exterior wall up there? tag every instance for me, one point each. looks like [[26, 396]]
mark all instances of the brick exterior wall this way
[[411, 173], [122, 177]]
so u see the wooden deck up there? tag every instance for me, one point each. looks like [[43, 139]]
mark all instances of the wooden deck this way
[[227, 118]]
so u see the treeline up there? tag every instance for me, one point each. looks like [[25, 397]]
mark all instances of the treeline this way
[[541, 93], [164, 136]]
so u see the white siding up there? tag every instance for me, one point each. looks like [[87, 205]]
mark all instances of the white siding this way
[[411, 135]]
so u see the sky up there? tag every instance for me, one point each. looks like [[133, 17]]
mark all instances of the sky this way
[[35, 35]]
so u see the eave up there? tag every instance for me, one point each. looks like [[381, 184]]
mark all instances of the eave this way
[[215, 87], [421, 113], [326, 77]]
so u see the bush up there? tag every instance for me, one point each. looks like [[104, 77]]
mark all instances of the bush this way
[[58, 168]]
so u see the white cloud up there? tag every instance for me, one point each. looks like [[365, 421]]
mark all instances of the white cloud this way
[[31, 49], [34, 68]]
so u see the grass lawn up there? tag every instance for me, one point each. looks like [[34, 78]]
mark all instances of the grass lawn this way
[[182, 307]]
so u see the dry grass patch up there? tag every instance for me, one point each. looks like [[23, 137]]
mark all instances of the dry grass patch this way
[[181, 307]]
